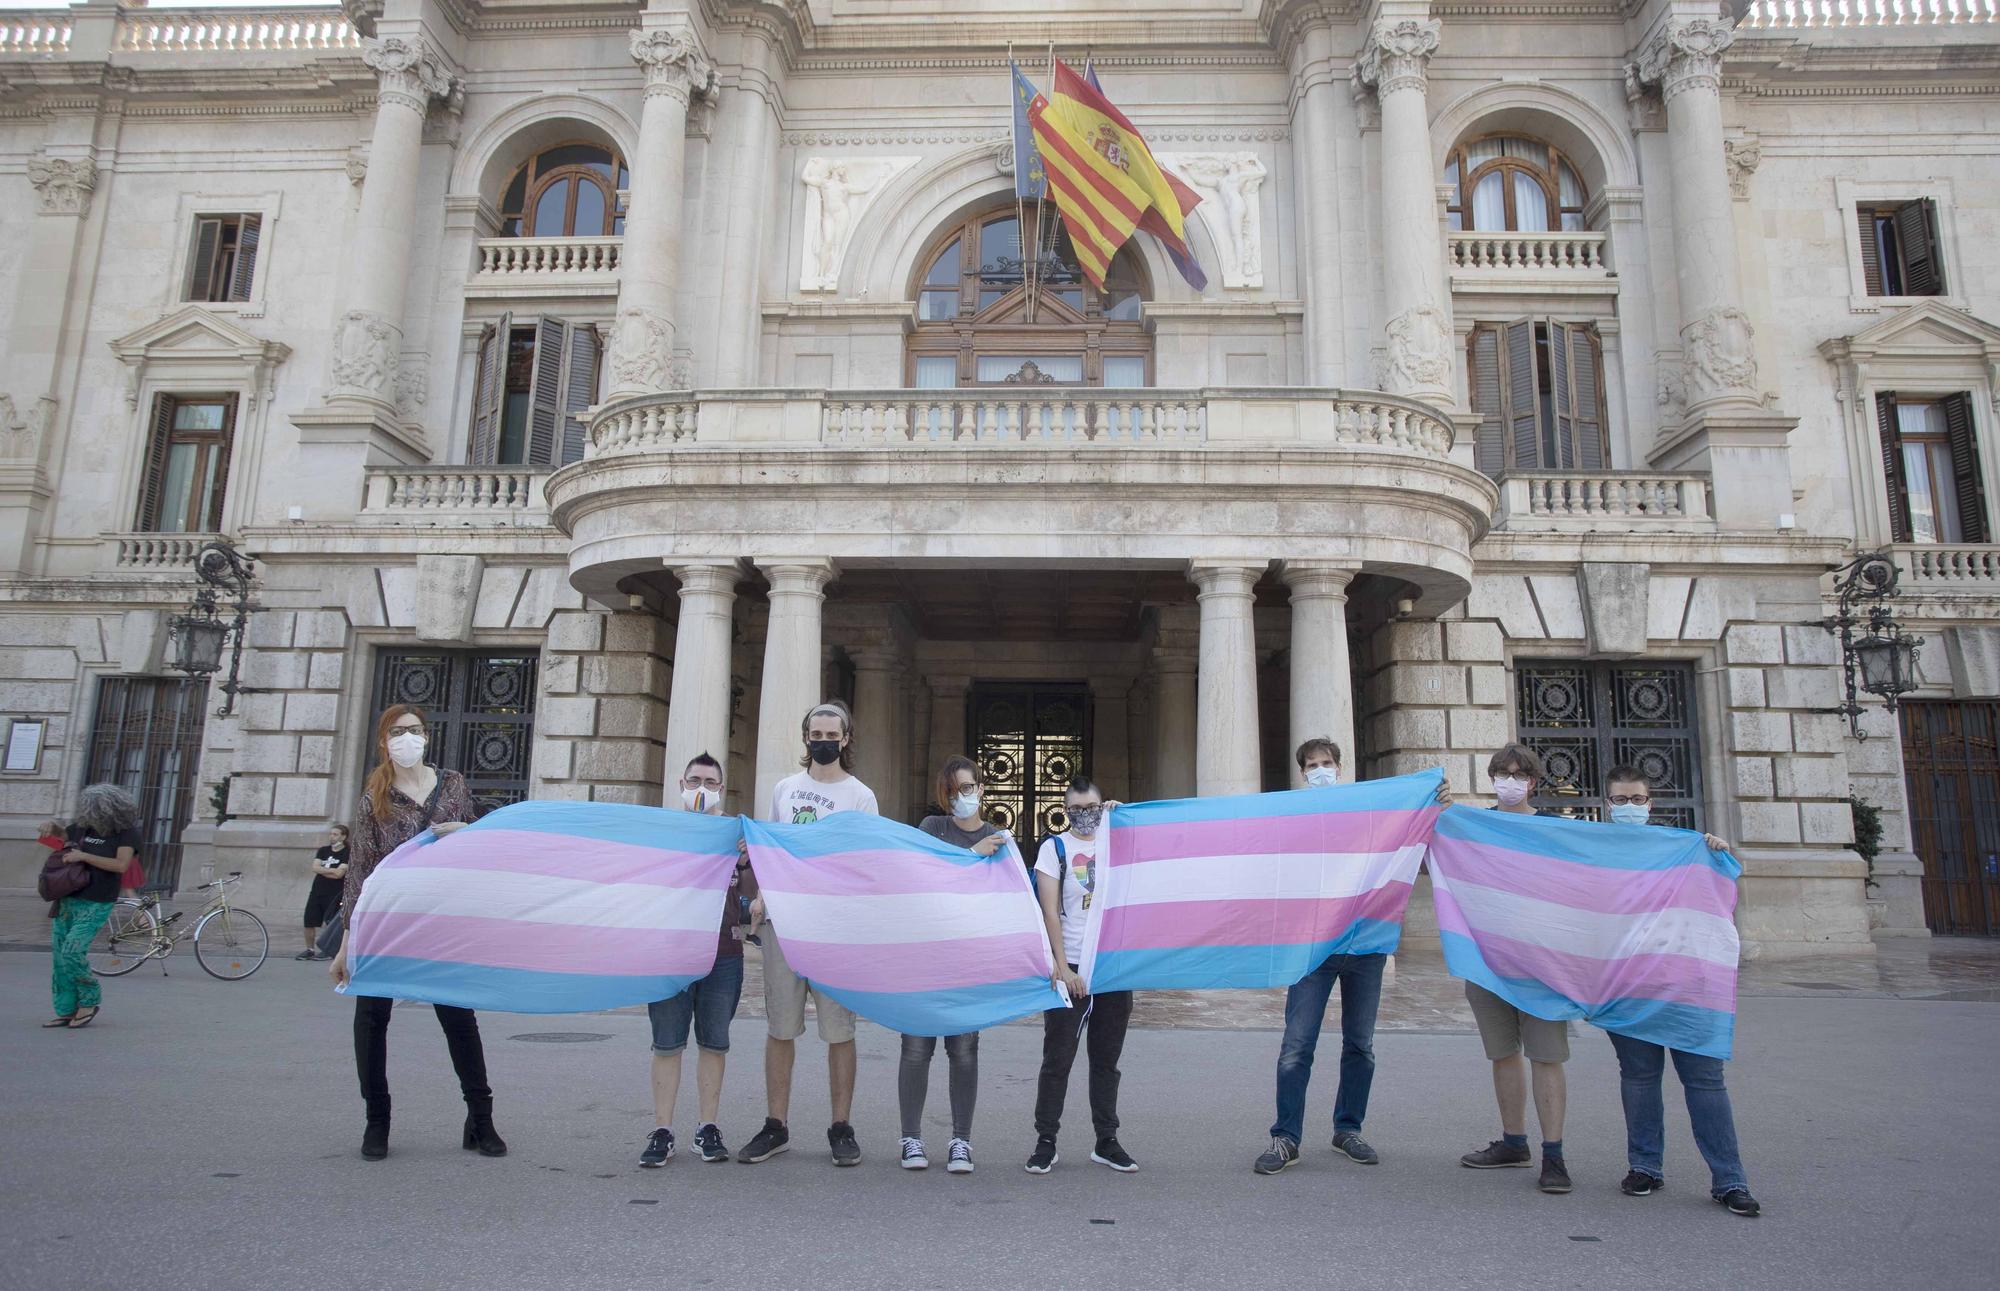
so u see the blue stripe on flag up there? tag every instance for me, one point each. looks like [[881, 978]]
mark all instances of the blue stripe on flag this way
[[1204, 968], [1586, 842], [506, 990], [612, 822], [950, 1012], [1397, 793]]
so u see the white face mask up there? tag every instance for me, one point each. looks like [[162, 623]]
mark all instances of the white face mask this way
[[700, 799], [1631, 813], [1321, 777], [964, 806], [1512, 791], [406, 748]]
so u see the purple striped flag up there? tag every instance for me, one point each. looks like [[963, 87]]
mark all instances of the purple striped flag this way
[[1256, 890], [547, 907], [908, 931], [1629, 927]]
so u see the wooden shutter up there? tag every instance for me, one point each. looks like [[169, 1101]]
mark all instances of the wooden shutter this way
[[155, 476], [246, 257], [1916, 237], [545, 392], [1576, 366], [490, 380], [1489, 440], [1524, 420], [579, 390], [1871, 252], [201, 267], [212, 521], [1965, 469], [1563, 451], [1892, 467]]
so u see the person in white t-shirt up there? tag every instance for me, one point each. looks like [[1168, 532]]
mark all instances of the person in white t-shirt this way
[[822, 789], [1066, 873]]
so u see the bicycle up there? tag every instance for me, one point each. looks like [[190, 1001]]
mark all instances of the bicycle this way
[[228, 943]]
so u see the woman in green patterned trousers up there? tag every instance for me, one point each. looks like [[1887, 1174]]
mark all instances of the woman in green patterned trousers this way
[[104, 837]]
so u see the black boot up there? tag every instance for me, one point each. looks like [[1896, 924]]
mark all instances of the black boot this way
[[480, 1134], [375, 1140]]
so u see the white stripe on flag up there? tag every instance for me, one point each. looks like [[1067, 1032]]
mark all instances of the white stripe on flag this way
[[1273, 876], [539, 898], [1677, 931]]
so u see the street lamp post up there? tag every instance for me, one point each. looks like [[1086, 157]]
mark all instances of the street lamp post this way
[[196, 638], [1876, 655]]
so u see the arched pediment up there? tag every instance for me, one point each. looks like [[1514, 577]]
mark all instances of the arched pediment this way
[[518, 131], [1600, 149]]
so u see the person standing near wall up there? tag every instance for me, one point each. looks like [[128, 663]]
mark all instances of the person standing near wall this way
[[105, 837], [329, 867]]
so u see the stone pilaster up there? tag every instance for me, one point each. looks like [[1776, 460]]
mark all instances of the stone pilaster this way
[[1226, 751], [1322, 681], [791, 679], [1176, 641], [1316, 146], [749, 128], [698, 709]]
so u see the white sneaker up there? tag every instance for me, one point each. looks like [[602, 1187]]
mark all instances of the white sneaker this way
[[960, 1160], [913, 1155]]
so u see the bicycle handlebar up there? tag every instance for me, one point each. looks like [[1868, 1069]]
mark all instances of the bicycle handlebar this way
[[234, 875]]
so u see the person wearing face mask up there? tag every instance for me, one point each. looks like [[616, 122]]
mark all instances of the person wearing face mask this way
[[958, 793], [329, 867], [822, 789], [1509, 1033], [1360, 981], [706, 1006], [402, 798], [1642, 1066], [1066, 871]]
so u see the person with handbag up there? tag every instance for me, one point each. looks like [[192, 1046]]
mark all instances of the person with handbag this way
[[329, 867], [83, 882], [403, 797]]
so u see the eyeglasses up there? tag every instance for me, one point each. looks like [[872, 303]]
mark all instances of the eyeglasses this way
[[705, 782], [965, 786], [406, 730], [1629, 799]]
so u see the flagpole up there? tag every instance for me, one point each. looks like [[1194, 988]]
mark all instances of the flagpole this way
[[1020, 208], [1042, 208]]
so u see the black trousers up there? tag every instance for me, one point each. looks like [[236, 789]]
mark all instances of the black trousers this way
[[1105, 1017], [371, 1054]]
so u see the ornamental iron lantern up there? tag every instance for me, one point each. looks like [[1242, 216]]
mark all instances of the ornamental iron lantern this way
[[1876, 655], [196, 638]]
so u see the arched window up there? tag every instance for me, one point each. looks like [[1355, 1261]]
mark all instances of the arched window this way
[[1512, 184], [976, 324], [568, 191]]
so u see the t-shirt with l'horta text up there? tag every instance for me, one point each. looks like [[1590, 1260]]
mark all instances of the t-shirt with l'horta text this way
[[800, 800]]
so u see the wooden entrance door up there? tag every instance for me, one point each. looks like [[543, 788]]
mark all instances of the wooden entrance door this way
[[1951, 764]]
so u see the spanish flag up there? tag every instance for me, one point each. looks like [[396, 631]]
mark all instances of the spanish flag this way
[[1100, 172]]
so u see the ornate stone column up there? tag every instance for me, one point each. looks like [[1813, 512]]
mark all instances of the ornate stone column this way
[[1315, 158], [1174, 705], [642, 338], [1417, 299], [698, 706], [368, 340], [791, 679], [1322, 683], [1226, 755]]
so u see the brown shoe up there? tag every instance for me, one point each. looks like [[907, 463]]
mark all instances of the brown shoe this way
[[1555, 1176]]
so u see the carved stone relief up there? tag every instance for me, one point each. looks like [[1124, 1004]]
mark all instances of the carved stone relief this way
[[64, 184], [1419, 350], [1229, 183], [839, 192], [364, 354]]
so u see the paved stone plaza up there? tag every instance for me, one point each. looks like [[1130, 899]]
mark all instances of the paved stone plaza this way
[[206, 1133]]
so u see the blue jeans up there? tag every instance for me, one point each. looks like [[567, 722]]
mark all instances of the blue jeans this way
[[1360, 978], [1642, 1067], [708, 1004]]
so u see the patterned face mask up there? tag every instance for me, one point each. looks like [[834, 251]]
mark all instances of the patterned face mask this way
[[1083, 821]]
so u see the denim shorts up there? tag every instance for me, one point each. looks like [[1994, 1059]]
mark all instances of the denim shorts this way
[[708, 1004]]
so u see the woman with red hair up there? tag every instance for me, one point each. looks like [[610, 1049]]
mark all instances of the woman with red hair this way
[[404, 796]]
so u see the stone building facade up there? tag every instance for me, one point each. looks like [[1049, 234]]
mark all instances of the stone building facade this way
[[618, 379]]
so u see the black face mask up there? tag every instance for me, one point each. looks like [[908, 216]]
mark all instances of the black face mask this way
[[824, 752]]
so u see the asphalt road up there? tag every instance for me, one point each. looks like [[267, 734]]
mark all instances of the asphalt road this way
[[205, 1133]]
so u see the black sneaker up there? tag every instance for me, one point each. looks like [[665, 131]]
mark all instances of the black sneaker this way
[[840, 1137], [1740, 1202], [1351, 1145], [770, 1141], [1282, 1155], [708, 1142], [1497, 1155], [659, 1148], [1638, 1183], [1044, 1157], [913, 1157], [1107, 1152], [1555, 1176], [306, 954]]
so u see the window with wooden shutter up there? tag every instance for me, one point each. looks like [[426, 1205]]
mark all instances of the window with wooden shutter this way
[[1900, 255], [187, 464], [546, 394], [246, 257], [1968, 486], [157, 440], [1537, 386], [1523, 393], [1930, 459], [579, 389], [1576, 378], [1892, 467], [1489, 439], [484, 442], [222, 264]]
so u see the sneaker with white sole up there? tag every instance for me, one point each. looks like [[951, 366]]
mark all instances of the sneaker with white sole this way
[[1044, 1157], [708, 1143], [1282, 1155], [960, 1160], [1107, 1152], [913, 1155], [659, 1148]]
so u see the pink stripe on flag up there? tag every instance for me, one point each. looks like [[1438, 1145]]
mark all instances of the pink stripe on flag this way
[[1680, 979], [1592, 887], [883, 872], [1321, 832], [920, 965], [544, 947], [569, 856], [1290, 921]]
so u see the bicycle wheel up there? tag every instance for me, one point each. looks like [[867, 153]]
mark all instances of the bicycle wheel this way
[[231, 944], [128, 939]]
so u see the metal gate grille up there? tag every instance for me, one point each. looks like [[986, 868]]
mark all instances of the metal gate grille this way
[[1952, 766], [480, 705], [1029, 741], [1585, 718], [146, 736]]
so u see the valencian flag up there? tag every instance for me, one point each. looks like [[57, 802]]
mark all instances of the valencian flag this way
[[1100, 172], [1031, 183], [1152, 221]]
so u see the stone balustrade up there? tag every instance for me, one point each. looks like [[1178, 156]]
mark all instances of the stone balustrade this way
[[547, 257], [185, 31], [998, 418], [1935, 567], [1603, 501], [1768, 14], [468, 494], [1525, 253], [162, 552], [34, 31]]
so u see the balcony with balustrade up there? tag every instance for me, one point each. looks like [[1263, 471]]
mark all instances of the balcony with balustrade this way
[[1603, 502], [1949, 570], [1544, 263], [531, 268]]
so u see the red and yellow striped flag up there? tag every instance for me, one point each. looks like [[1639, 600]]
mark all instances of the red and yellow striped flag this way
[[1101, 173]]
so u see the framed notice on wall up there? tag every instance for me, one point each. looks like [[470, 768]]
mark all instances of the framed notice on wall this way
[[23, 749]]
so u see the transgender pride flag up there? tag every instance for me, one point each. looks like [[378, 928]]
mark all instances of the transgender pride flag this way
[[546, 907], [1629, 927], [1255, 890], [909, 932]]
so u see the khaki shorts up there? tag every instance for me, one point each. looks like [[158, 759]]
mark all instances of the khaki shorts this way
[[1506, 1031], [785, 999]]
